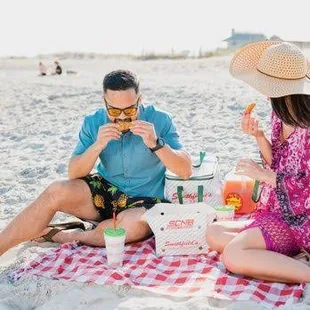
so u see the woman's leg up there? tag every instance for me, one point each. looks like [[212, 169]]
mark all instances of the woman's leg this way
[[219, 234], [246, 255]]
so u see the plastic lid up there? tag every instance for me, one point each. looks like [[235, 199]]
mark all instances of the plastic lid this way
[[119, 232], [207, 170], [232, 176], [224, 208]]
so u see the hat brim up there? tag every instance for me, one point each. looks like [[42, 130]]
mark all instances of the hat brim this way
[[243, 66]]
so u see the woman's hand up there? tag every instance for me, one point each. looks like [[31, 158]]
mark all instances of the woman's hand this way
[[254, 171], [250, 126]]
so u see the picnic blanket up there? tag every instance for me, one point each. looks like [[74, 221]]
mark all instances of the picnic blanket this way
[[185, 276]]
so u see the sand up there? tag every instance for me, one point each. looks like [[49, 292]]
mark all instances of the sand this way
[[39, 123]]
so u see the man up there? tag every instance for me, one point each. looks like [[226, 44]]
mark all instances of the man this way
[[130, 175]]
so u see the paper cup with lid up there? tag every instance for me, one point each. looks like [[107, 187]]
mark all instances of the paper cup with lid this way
[[225, 213], [115, 246]]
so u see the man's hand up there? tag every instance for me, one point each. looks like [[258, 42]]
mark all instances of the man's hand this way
[[146, 131], [250, 126], [251, 169], [106, 133]]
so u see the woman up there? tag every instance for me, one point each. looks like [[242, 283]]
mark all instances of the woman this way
[[42, 69], [263, 247]]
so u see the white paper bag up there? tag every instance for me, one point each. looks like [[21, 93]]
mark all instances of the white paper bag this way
[[180, 229]]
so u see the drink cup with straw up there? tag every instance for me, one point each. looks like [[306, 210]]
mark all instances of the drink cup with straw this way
[[115, 244]]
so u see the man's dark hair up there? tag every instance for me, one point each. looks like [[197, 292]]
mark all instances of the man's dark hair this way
[[121, 80], [293, 110]]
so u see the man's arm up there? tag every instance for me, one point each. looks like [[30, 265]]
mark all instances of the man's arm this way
[[81, 165], [177, 161]]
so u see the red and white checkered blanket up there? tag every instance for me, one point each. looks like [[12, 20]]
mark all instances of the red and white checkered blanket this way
[[199, 275]]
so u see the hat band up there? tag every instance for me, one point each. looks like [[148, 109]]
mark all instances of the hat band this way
[[282, 78]]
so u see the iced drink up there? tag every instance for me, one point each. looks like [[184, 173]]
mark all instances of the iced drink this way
[[115, 242], [237, 192]]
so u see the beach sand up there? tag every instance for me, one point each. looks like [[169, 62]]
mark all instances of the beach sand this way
[[39, 123]]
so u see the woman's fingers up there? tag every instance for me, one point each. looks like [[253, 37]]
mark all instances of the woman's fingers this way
[[245, 122], [246, 163], [251, 125], [256, 126]]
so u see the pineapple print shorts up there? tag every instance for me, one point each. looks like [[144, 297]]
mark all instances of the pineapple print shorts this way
[[107, 198]]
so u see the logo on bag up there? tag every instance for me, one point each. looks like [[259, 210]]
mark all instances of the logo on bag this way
[[180, 224], [234, 200], [181, 243], [191, 196]]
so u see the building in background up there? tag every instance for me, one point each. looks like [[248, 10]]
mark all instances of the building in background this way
[[240, 39], [301, 44]]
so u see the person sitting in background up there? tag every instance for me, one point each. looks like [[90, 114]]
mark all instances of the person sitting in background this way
[[263, 247], [42, 68], [135, 144], [58, 69]]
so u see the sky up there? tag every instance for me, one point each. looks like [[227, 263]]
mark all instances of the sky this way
[[31, 27]]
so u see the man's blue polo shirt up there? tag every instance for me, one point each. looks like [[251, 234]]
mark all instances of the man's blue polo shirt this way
[[128, 163]]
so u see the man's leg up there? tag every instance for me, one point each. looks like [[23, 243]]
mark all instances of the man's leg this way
[[130, 220], [72, 197]]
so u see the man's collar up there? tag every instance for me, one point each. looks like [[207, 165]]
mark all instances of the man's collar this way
[[141, 115]]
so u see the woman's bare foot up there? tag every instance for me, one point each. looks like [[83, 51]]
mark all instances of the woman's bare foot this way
[[303, 257]]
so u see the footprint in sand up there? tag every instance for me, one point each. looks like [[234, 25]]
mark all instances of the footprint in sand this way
[[37, 172], [66, 138], [61, 169]]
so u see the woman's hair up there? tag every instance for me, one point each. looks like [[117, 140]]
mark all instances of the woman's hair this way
[[293, 110]]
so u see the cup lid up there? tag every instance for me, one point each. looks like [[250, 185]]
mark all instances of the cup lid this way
[[224, 208], [119, 232]]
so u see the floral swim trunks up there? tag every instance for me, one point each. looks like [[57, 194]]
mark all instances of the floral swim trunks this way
[[107, 198]]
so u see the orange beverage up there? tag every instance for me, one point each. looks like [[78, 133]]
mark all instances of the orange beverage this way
[[237, 192]]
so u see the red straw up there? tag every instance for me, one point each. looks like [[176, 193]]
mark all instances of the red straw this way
[[114, 220]]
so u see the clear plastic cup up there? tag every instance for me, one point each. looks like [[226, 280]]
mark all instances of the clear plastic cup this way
[[225, 213], [115, 245]]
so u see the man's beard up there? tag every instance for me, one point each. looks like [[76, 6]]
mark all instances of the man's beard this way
[[124, 124]]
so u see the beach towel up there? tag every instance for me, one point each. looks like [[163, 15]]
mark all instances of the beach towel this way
[[184, 276]]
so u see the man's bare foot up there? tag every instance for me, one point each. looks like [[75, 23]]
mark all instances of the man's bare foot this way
[[62, 236]]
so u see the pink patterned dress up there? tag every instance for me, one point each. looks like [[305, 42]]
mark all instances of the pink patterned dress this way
[[283, 212]]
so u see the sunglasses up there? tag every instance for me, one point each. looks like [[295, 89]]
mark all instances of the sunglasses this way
[[115, 112]]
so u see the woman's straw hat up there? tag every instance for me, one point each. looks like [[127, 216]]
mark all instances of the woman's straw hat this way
[[275, 69]]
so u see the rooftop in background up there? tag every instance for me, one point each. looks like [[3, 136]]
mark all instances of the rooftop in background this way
[[240, 39], [245, 36]]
